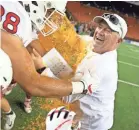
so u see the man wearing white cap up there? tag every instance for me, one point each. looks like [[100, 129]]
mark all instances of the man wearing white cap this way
[[98, 108]]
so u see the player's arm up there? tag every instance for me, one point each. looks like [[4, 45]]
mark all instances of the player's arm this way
[[25, 73], [75, 106]]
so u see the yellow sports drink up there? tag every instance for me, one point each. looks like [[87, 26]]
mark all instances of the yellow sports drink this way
[[66, 41]]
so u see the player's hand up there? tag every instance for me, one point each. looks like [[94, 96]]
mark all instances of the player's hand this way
[[37, 59], [60, 119], [79, 114], [90, 82]]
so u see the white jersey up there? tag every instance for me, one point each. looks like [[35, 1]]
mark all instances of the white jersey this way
[[15, 20], [98, 108], [105, 66]]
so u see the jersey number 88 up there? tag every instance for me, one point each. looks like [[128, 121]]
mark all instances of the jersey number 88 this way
[[11, 21]]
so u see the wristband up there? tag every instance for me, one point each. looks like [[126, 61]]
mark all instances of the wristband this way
[[84, 90], [77, 87]]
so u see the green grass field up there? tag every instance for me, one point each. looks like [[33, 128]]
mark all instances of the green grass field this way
[[127, 95], [126, 115]]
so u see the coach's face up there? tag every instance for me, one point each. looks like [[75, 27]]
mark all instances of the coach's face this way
[[105, 39]]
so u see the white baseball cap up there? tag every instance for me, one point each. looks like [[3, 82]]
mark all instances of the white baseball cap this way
[[115, 22]]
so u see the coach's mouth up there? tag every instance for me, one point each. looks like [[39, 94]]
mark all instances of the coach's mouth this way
[[98, 40]]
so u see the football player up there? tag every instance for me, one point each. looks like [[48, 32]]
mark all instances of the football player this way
[[18, 22], [6, 74]]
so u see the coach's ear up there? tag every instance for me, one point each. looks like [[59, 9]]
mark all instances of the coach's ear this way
[[120, 40]]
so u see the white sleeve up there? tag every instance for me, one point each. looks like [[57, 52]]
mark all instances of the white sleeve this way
[[33, 36], [72, 98]]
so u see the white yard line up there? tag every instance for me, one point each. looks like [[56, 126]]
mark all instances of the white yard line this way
[[129, 83], [133, 49], [128, 64], [128, 56]]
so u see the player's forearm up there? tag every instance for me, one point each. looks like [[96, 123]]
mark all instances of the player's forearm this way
[[56, 86], [48, 87], [75, 106], [38, 85]]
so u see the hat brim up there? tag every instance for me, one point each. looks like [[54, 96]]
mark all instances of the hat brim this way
[[98, 19]]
